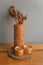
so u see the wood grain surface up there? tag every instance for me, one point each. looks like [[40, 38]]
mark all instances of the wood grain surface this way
[[36, 58]]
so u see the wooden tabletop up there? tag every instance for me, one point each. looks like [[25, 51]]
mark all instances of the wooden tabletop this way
[[36, 58]]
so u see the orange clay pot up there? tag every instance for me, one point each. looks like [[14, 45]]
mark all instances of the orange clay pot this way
[[18, 35]]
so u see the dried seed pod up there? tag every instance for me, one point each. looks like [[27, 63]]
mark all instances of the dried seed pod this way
[[12, 11], [25, 17]]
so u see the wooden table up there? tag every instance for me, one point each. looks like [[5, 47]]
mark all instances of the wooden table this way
[[36, 59]]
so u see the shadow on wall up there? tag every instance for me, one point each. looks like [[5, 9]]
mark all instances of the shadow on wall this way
[[7, 28]]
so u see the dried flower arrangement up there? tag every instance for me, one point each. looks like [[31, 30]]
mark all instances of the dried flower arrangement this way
[[17, 15], [19, 27]]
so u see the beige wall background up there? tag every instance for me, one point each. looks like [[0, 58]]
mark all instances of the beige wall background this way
[[33, 25]]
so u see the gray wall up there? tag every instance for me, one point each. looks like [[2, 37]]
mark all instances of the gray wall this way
[[33, 24]]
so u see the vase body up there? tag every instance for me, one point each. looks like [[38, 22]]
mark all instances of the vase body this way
[[18, 35]]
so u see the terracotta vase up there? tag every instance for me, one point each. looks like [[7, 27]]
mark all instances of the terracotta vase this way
[[18, 35]]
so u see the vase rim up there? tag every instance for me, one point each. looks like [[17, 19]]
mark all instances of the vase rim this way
[[18, 24]]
